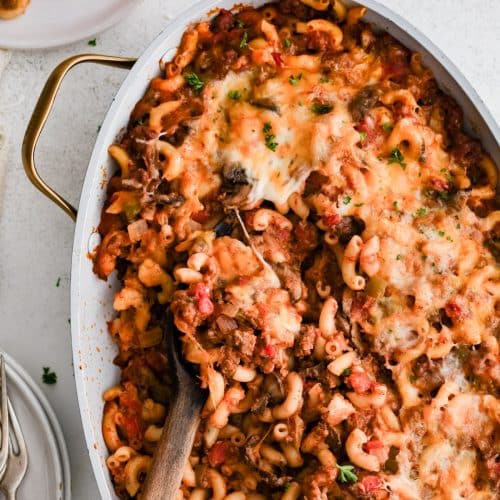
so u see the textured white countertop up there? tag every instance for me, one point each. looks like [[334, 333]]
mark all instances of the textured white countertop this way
[[36, 236]]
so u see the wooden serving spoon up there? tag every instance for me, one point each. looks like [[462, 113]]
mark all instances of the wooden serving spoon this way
[[171, 455]]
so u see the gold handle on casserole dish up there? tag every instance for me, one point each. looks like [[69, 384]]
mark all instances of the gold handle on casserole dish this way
[[41, 114]]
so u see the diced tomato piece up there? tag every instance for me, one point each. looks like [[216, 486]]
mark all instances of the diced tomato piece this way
[[202, 216], [370, 483], [205, 306], [270, 351], [373, 445], [395, 69], [457, 309], [331, 219], [278, 60], [378, 449], [201, 290], [218, 453], [440, 184], [132, 424], [360, 382]]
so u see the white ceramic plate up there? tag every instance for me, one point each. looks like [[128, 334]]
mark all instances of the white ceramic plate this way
[[49, 23], [48, 474]]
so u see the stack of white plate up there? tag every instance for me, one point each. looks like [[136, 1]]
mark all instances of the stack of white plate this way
[[48, 474]]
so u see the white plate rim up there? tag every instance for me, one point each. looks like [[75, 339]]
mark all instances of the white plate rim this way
[[57, 41], [16, 373]]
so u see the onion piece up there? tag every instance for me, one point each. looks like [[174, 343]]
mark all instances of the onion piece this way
[[137, 229]]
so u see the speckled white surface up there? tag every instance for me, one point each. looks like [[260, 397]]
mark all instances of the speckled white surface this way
[[36, 237]]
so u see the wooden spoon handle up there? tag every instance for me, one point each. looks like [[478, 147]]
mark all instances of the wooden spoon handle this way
[[165, 476]]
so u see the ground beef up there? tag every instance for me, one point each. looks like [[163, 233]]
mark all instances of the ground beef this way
[[298, 9], [427, 374], [244, 341], [305, 344], [223, 21], [347, 228], [186, 314], [363, 102], [229, 361]]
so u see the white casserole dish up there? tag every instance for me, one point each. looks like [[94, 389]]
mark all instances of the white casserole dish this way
[[91, 298]]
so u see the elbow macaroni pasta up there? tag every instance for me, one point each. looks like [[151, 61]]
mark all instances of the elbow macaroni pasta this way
[[299, 195]]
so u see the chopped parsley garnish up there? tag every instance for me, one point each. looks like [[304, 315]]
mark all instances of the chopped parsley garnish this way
[[58, 282], [346, 474], [244, 40], [240, 24], [387, 126], [389, 332], [357, 205], [346, 372], [413, 378], [194, 82], [449, 238], [287, 43], [321, 109], [441, 233], [286, 486], [92, 42], [398, 257], [294, 80], [397, 157], [420, 212], [347, 200], [235, 95], [48, 376], [441, 194], [362, 136], [270, 138]]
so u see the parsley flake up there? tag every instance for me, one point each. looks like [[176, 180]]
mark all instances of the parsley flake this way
[[269, 138], [48, 376], [58, 282], [346, 372], [397, 157], [362, 136], [387, 126], [347, 200], [294, 80], [420, 212], [194, 82], [346, 474], [321, 109], [92, 42], [357, 205], [244, 40], [441, 233], [287, 43], [235, 95], [398, 257], [240, 24]]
